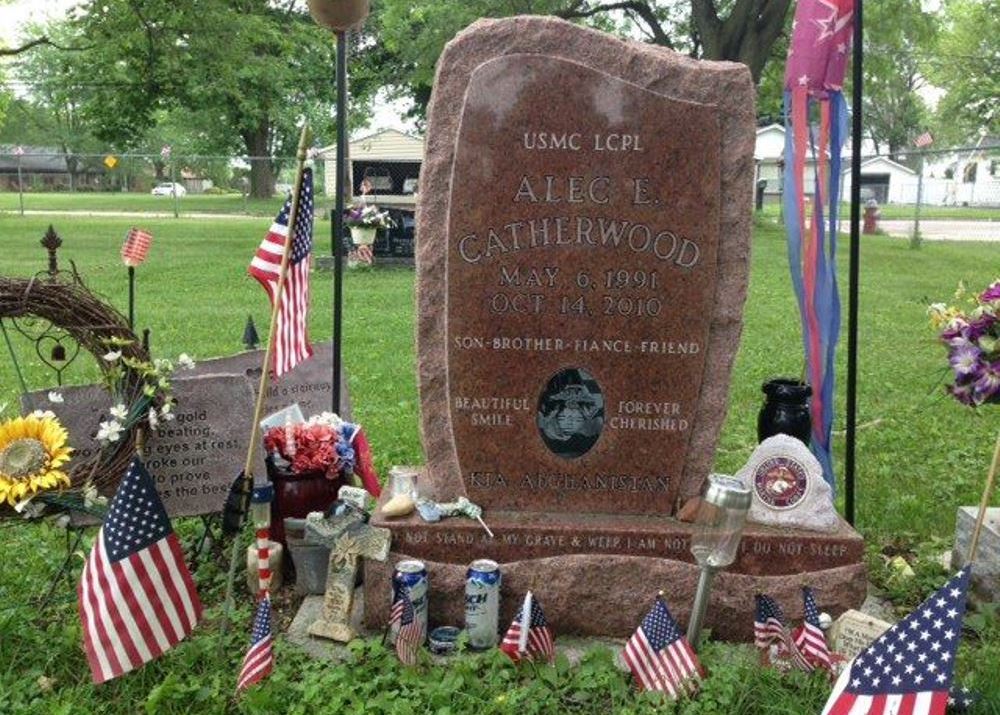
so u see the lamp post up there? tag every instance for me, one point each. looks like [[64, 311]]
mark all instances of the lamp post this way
[[718, 528], [339, 16]]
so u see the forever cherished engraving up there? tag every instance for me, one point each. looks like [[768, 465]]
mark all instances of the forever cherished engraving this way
[[581, 264]]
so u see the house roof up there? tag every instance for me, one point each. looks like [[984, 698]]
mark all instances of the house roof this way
[[36, 159], [878, 160], [386, 145]]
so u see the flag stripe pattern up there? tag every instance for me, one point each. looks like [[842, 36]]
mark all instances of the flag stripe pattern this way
[[410, 635], [770, 628], [809, 637], [923, 140], [136, 597], [136, 247], [291, 338], [660, 657], [539, 643], [259, 660], [263, 561], [909, 668]]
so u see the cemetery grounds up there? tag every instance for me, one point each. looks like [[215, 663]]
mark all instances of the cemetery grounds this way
[[920, 455]]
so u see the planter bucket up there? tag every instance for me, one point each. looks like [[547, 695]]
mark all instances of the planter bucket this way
[[339, 15], [363, 235]]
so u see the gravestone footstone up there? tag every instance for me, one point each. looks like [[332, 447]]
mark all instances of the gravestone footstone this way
[[582, 262]]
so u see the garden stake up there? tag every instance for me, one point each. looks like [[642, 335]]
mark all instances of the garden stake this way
[[13, 359], [984, 502], [248, 476]]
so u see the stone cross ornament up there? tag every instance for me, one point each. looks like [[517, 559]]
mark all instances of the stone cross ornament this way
[[350, 538]]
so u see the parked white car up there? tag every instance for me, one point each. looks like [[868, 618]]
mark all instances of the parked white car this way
[[168, 189]]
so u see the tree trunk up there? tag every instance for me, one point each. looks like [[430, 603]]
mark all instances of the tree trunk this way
[[746, 35], [261, 167]]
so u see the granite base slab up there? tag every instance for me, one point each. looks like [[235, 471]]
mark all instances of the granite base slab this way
[[596, 574]]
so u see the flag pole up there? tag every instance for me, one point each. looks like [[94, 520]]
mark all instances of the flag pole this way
[[855, 257], [984, 503], [262, 510], [337, 224]]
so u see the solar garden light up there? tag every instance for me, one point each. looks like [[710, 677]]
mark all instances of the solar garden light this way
[[718, 528]]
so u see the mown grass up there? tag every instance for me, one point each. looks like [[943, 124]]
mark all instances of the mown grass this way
[[919, 457], [105, 201], [908, 212]]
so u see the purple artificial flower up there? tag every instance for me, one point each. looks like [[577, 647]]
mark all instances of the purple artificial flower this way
[[986, 388], [980, 326], [962, 393], [953, 330], [991, 293], [965, 360]]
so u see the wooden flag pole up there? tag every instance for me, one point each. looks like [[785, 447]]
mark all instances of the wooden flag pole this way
[[265, 373], [985, 502]]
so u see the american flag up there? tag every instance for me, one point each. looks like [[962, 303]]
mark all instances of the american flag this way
[[136, 596], [259, 660], [769, 628], [410, 635], [136, 246], [909, 669], [923, 140], [291, 338], [529, 635], [809, 637], [660, 657]]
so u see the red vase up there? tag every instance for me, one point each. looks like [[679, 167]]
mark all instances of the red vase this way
[[295, 495]]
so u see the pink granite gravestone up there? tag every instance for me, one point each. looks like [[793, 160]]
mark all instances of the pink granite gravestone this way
[[583, 240]]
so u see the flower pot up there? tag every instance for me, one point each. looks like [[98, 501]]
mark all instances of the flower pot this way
[[295, 495], [785, 410], [363, 235], [339, 15]]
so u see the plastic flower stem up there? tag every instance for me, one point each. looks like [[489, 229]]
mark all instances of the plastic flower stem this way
[[985, 502]]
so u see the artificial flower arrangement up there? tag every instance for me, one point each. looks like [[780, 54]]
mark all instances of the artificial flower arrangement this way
[[34, 451], [322, 444], [368, 216], [973, 339]]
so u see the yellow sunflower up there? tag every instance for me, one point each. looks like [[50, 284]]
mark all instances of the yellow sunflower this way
[[32, 450]]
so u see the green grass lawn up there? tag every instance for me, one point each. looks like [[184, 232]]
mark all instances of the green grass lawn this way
[[908, 212], [919, 456], [133, 202]]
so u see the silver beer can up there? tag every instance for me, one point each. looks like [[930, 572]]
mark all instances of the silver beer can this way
[[482, 604], [411, 575]]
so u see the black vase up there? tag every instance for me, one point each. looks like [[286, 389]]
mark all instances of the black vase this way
[[785, 410]]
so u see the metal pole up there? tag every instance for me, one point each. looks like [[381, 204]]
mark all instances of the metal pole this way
[[20, 186], [700, 607], [337, 224], [915, 238], [855, 257], [131, 297]]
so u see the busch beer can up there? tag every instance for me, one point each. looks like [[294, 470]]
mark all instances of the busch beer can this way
[[482, 604], [411, 575]]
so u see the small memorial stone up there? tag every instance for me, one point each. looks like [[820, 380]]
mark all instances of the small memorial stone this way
[[788, 487], [854, 631]]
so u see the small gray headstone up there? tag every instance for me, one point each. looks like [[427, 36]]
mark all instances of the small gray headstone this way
[[986, 569], [788, 487], [854, 631]]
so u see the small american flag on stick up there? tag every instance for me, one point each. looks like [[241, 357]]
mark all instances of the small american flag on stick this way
[[923, 140], [291, 338], [410, 635], [136, 246], [136, 596], [809, 637], [909, 669], [529, 635], [259, 660], [660, 657], [769, 628]]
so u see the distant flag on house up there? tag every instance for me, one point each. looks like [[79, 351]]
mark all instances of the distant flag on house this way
[[19, 151], [924, 140], [814, 77], [291, 338], [770, 628], [165, 152], [529, 635], [410, 635], [909, 669], [809, 638], [136, 246], [259, 660], [660, 657], [136, 597]]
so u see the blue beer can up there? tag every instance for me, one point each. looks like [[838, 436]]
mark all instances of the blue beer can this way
[[482, 604], [411, 575]]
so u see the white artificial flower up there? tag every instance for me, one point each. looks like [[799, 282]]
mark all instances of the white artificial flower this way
[[91, 497], [44, 414], [163, 365], [154, 421], [55, 397], [119, 411], [185, 362], [330, 419], [165, 412], [112, 355], [109, 431], [62, 521]]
